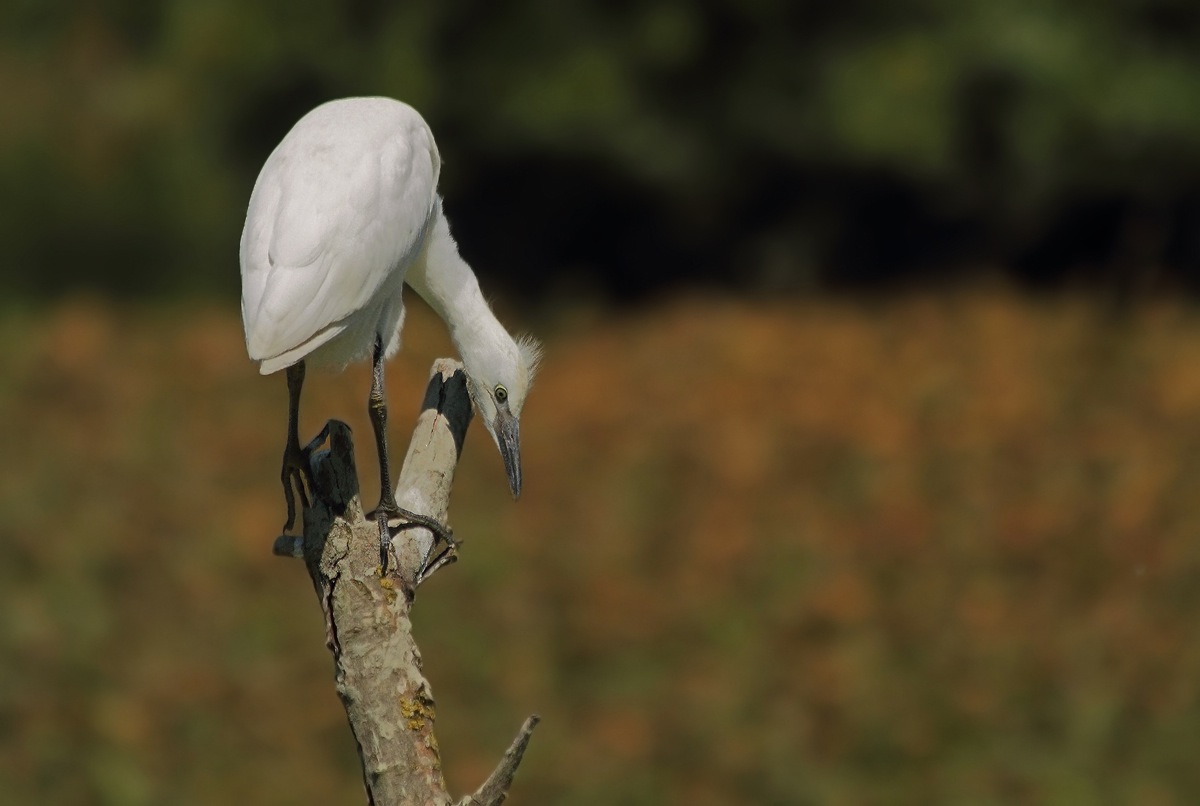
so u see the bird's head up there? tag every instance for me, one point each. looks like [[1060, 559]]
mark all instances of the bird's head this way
[[500, 377]]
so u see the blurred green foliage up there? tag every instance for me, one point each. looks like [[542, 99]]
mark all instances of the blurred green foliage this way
[[132, 129]]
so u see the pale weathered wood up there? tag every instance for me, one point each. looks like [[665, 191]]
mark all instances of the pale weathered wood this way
[[494, 790], [377, 672]]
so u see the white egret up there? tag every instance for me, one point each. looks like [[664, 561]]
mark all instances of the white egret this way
[[344, 213]]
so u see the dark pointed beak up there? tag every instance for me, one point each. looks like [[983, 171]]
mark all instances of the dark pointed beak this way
[[508, 434]]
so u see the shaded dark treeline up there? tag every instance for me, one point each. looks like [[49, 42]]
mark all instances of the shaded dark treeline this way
[[623, 147]]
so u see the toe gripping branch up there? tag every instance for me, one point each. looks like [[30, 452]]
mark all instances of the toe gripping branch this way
[[425, 479], [368, 628]]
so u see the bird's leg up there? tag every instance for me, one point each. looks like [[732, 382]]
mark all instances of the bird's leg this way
[[296, 470], [388, 508]]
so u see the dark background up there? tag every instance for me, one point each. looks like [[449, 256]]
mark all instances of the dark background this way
[[625, 148]]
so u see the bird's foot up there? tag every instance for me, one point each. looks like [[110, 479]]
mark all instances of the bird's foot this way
[[412, 520], [433, 562], [297, 475]]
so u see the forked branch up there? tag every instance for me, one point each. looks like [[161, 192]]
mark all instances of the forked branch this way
[[377, 663]]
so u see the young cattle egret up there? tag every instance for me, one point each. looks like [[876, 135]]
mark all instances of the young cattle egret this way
[[344, 213]]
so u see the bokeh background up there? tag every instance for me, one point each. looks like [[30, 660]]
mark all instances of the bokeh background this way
[[863, 467]]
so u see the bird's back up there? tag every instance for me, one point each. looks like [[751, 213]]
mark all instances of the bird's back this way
[[339, 211]]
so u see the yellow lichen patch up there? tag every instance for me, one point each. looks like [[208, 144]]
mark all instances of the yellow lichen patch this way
[[418, 714], [389, 588]]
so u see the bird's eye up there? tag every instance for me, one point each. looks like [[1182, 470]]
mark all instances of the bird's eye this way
[[501, 394]]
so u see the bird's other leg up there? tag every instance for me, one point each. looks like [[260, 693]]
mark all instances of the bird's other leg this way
[[296, 469], [388, 508]]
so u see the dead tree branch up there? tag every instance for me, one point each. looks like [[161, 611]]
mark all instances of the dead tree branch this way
[[377, 663]]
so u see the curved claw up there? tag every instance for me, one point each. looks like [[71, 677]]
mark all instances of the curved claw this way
[[414, 520], [385, 540], [295, 472]]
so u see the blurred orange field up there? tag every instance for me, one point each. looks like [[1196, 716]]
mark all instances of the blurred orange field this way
[[940, 549]]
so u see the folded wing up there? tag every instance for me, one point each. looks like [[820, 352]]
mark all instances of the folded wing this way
[[340, 206]]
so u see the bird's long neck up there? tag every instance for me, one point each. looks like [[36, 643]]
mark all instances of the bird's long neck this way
[[448, 284]]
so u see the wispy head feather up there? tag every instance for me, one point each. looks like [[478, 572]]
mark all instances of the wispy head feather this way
[[531, 356]]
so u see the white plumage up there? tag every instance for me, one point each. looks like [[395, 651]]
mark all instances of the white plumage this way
[[343, 214], [339, 213]]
